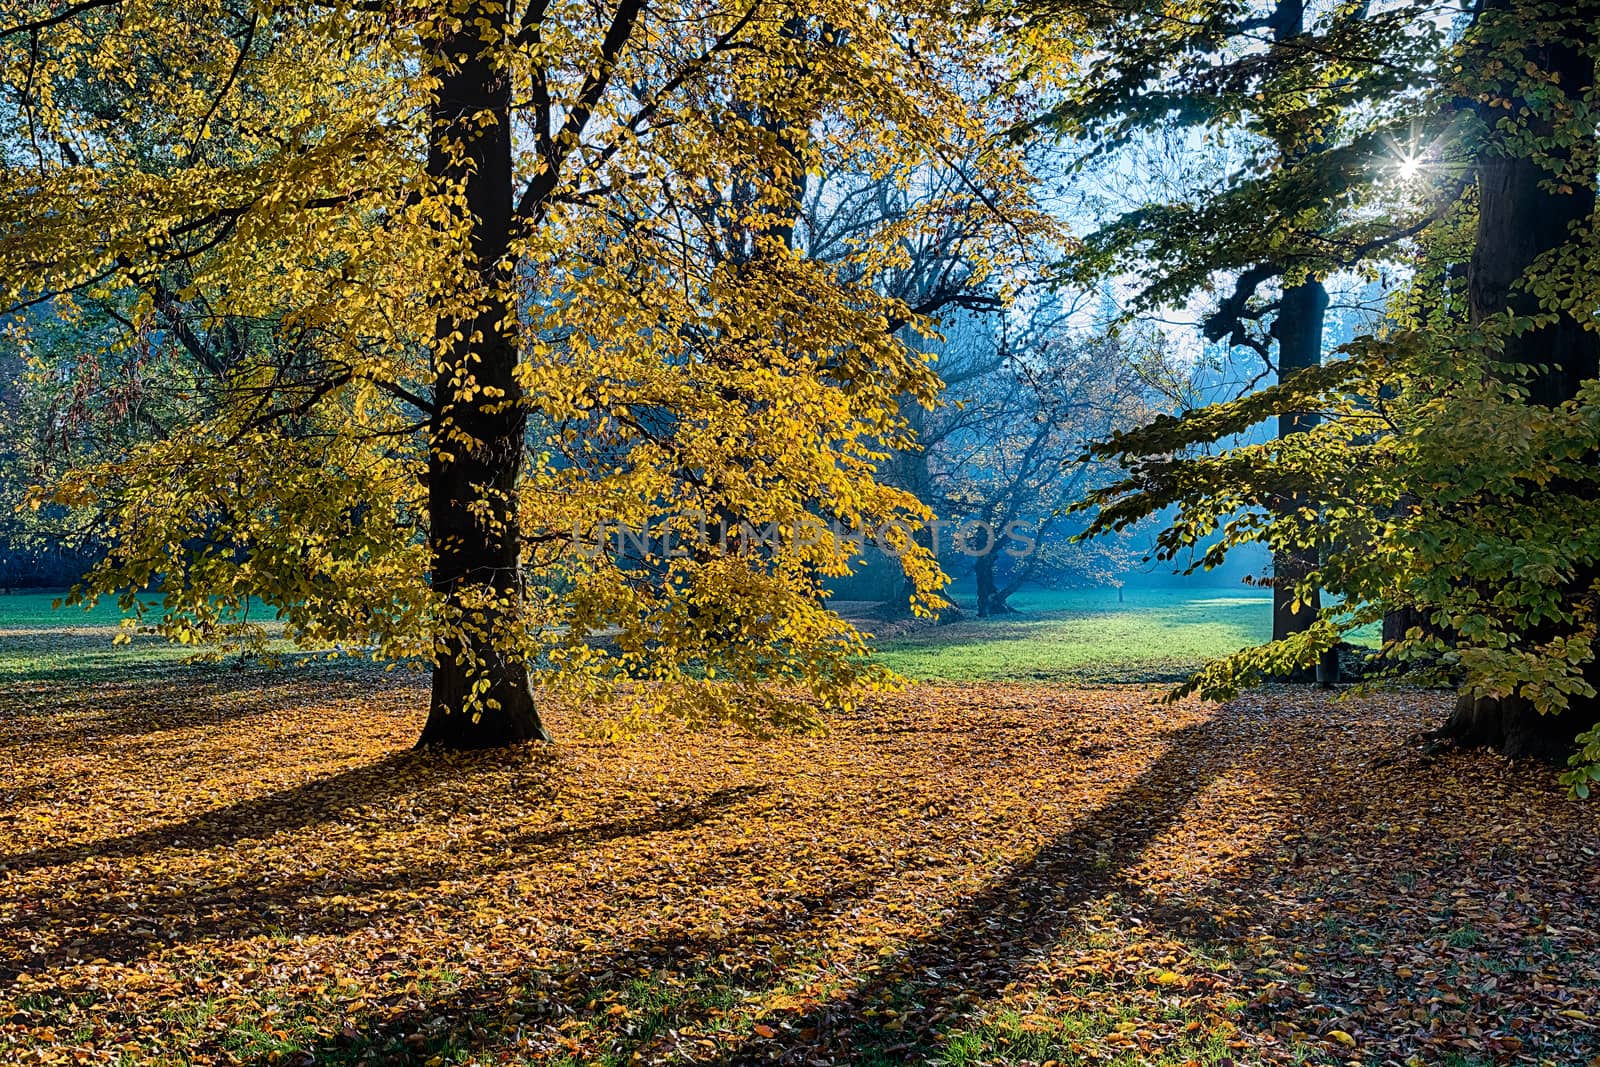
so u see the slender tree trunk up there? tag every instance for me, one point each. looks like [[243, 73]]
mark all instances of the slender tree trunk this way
[[1299, 332], [983, 571], [1521, 216], [481, 693], [991, 595]]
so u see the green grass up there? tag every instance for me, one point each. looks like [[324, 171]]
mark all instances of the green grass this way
[[20, 611], [42, 643], [1008, 1038], [39, 642], [1087, 636], [1081, 636]]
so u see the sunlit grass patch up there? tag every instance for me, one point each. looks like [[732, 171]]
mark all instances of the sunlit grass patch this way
[[1086, 636], [43, 643]]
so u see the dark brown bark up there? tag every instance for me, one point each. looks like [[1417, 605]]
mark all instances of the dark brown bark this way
[[1513, 727], [991, 596], [1299, 332], [1398, 623], [472, 479], [1521, 216], [1298, 329], [983, 573]]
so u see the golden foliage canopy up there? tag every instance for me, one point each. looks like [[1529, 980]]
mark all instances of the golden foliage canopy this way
[[311, 265]]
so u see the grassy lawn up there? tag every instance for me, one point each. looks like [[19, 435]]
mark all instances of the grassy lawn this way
[[39, 642], [1081, 636], [1086, 636], [42, 643], [203, 865]]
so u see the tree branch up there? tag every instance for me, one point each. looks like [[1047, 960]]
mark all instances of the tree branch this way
[[67, 15], [589, 96]]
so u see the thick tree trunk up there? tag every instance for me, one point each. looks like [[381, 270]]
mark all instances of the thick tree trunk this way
[[1398, 623], [1298, 329], [1517, 222], [1511, 725], [1299, 332], [1522, 215], [481, 693]]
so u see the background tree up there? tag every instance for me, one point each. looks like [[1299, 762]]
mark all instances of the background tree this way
[[1454, 467], [1291, 108], [1006, 455], [947, 265]]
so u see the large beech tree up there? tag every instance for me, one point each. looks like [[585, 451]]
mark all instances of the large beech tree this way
[[1536, 176], [469, 284]]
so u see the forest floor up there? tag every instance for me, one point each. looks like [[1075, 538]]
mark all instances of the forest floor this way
[[220, 866]]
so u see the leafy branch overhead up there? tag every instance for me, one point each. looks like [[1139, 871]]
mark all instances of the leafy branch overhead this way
[[1441, 474]]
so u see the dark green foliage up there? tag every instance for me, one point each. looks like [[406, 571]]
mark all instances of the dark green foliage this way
[[1452, 471]]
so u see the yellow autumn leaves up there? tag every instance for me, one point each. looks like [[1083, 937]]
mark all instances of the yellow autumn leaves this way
[[275, 211]]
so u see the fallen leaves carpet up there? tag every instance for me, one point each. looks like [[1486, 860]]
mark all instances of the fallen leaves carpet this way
[[249, 868]]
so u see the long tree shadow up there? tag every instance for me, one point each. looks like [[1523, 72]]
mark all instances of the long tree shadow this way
[[321, 800], [1458, 903], [990, 940], [996, 935], [1416, 924], [271, 902], [139, 702]]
